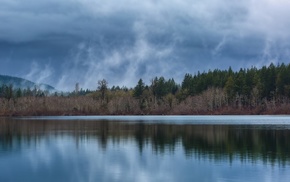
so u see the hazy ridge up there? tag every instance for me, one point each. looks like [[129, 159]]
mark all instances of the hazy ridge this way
[[23, 83]]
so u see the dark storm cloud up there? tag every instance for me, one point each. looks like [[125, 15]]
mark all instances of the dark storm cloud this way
[[66, 41]]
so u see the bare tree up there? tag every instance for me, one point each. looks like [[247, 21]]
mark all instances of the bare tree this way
[[103, 87]]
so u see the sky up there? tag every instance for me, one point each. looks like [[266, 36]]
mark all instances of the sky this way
[[62, 42]]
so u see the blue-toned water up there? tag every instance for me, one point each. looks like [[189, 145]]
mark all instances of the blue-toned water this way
[[145, 148]]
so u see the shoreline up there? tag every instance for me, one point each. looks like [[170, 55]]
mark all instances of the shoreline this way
[[213, 113]]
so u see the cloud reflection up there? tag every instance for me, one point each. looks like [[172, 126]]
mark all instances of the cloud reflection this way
[[74, 150]]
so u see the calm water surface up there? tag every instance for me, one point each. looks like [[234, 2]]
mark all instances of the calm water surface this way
[[145, 148]]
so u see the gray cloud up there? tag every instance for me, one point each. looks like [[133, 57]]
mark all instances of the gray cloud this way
[[87, 40]]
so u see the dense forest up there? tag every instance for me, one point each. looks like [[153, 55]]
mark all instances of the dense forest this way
[[248, 91]]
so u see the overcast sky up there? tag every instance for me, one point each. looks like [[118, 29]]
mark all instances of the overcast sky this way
[[61, 42]]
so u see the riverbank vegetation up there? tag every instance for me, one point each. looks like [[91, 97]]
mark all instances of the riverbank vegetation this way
[[247, 91]]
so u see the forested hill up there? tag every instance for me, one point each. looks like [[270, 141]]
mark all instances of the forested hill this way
[[21, 83]]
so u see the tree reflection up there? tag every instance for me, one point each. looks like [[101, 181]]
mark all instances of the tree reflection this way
[[269, 144]]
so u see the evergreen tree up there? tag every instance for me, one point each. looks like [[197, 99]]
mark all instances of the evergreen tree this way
[[19, 93], [230, 88], [139, 88]]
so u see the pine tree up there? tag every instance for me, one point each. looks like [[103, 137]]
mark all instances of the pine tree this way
[[139, 88]]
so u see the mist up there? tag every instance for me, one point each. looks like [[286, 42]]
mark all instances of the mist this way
[[68, 41]]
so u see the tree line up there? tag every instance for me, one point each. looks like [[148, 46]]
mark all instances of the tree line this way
[[246, 91], [8, 92]]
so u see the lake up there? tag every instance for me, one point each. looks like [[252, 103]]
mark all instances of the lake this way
[[145, 148]]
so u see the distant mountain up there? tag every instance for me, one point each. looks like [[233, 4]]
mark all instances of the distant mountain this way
[[23, 83]]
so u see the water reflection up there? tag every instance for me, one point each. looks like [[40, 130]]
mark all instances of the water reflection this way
[[269, 144]]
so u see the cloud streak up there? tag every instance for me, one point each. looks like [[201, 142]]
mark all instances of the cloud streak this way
[[39, 74], [87, 40], [123, 66]]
